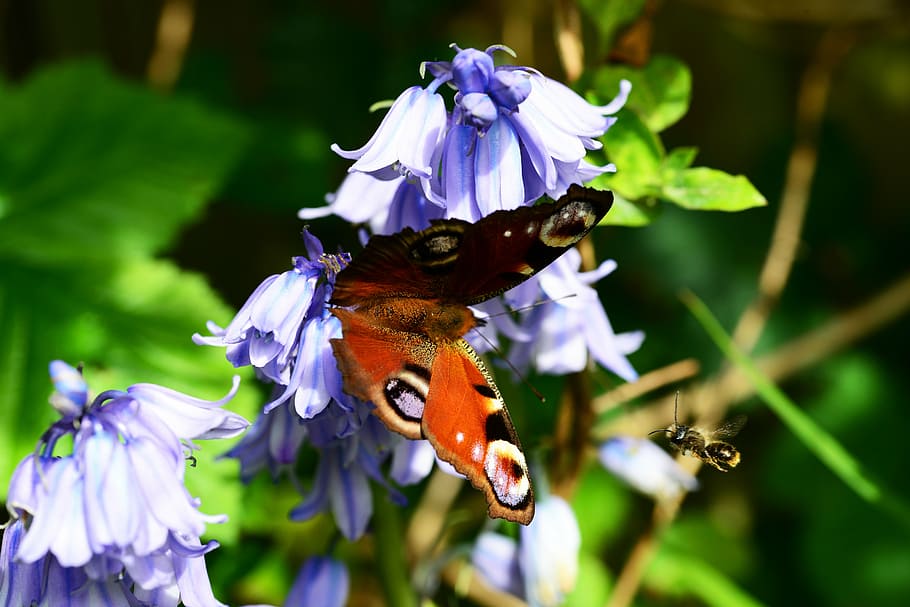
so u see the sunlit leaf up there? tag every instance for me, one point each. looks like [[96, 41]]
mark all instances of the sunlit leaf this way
[[704, 189], [660, 90]]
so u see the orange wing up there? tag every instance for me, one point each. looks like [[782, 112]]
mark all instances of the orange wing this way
[[440, 391], [467, 422]]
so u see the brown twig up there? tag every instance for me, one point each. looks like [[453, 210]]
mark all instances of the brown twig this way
[[569, 45], [813, 94], [429, 519], [649, 382], [175, 28]]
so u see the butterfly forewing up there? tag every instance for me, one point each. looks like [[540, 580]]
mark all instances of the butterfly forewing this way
[[522, 242]]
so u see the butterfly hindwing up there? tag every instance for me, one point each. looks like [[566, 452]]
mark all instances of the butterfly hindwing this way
[[388, 367], [467, 422]]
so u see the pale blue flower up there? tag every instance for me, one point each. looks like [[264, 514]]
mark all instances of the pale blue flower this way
[[568, 322], [408, 137], [321, 582], [353, 445], [542, 566], [272, 443], [113, 518], [283, 331], [511, 136], [646, 467]]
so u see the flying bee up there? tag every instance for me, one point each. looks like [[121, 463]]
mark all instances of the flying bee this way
[[707, 446]]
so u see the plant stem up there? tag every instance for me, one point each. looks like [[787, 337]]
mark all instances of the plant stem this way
[[391, 561]]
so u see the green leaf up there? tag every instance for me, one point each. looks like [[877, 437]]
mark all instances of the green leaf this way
[[592, 589], [705, 189], [608, 16], [95, 169], [660, 91], [679, 159], [638, 155], [627, 213], [682, 575]]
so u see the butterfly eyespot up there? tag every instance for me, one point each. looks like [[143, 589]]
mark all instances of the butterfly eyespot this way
[[507, 472], [569, 225], [507, 234], [437, 249], [407, 400]]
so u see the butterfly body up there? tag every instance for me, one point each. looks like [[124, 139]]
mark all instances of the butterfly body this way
[[403, 306]]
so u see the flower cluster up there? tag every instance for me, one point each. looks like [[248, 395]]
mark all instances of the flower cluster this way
[[111, 523], [283, 331], [512, 136]]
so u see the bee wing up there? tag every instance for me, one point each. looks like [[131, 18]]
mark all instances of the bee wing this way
[[729, 428]]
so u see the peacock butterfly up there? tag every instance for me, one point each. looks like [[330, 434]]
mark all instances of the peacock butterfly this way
[[403, 306]]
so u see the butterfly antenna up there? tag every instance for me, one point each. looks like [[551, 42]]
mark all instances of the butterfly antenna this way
[[675, 409], [531, 306], [503, 357]]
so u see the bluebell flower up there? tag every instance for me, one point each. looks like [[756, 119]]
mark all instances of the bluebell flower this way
[[646, 467], [322, 582], [283, 331], [386, 206], [408, 138], [353, 446], [272, 443], [568, 322], [511, 136], [112, 521], [542, 566]]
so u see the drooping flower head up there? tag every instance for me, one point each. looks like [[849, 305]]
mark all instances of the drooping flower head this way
[[113, 514], [511, 136]]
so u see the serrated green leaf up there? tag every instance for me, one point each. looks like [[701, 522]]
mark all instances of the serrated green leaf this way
[[660, 91], [706, 189], [626, 213], [94, 168], [638, 155]]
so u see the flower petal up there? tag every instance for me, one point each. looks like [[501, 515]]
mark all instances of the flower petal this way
[[322, 582]]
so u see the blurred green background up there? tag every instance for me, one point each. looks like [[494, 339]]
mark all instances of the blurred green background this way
[[153, 156]]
